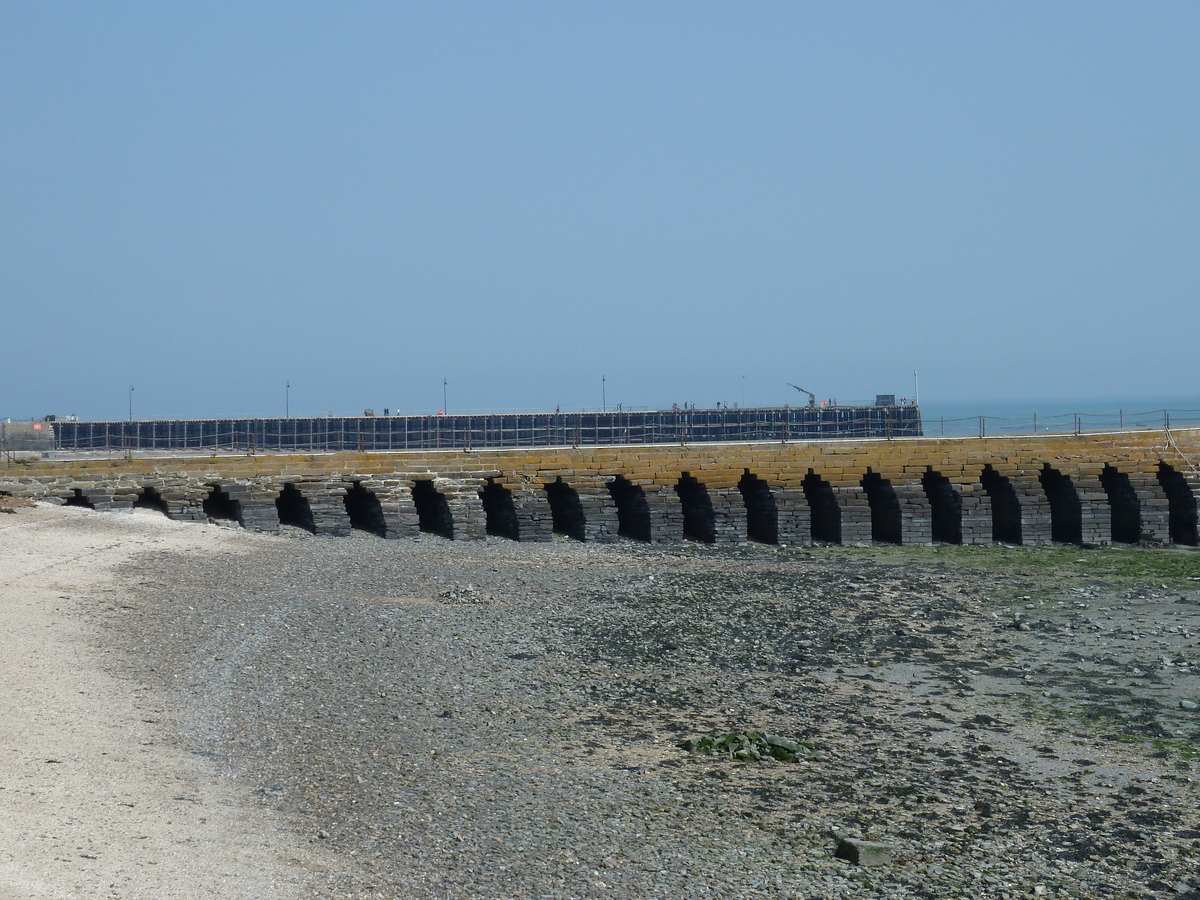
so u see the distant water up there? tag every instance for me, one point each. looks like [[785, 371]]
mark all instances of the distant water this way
[[1025, 416]]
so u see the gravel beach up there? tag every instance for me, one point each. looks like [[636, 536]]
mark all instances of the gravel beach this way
[[490, 719]]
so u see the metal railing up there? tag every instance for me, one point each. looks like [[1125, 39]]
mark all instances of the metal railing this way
[[1063, 423]]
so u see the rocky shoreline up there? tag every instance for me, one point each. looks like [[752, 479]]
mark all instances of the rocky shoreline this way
[[494, 719]]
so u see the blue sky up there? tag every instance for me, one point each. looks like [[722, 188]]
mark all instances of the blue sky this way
[[693, 201]]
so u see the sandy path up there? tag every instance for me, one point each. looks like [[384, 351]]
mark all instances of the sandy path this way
[[96, 800]]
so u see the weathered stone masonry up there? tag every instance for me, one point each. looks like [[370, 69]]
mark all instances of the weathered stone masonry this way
[[1084, 489]]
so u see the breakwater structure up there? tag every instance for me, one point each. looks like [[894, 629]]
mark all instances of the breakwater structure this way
[[467, 432], [1085, 489]]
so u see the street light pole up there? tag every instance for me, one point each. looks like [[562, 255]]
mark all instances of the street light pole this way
[[604, 393], [287, 402], [131, 403], [444, 403]]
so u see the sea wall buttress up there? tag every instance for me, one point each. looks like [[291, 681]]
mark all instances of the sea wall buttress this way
[[1121, 487]]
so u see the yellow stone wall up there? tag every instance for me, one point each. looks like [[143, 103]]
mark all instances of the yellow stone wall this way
[[719, 466]]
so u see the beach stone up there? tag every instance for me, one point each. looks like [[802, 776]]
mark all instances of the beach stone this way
[[863, 853]]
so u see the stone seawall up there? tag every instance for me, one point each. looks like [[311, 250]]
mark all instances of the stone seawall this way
[[1086, 489]]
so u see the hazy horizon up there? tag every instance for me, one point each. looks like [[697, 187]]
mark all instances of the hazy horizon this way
[[1020, 408]]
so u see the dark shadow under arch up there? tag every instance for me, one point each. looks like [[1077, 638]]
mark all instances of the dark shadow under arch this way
[[885, 509], [218, 505], [762, 515], [364, 510], [1181, 506], [633, 512], [77, 498], [699, 523], [433, 511], [499, 510], [150, 498], [1124, 507], [1006, 507], [566, 512], [1066, 512], [294, 510], [825, 516], [945, 507]]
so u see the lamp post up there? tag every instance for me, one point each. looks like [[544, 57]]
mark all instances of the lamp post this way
[[604, 393], [444, 403], [131, 403], [287, 401]]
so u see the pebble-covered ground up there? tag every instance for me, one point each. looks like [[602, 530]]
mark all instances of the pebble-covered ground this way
[[501, 720]]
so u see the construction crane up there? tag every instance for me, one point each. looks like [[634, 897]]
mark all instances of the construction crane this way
[[812, 398]]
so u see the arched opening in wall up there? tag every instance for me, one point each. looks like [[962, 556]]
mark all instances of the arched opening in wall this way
[[1066, 512], [824, 512], [762, 516], [76, 498], [219, 506], [364, 510], [633, 512], [699, 523], [1181, 506], [294, 510], [1006, 507], [885, 508], [945, 507], [1124, 507], [433, 512], [499, 510], [566, 512], [150, 498]]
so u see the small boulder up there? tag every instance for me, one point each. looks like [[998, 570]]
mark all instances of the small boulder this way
[[863, 853]]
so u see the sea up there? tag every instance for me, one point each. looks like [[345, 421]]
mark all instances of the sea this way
[[1064, 414]]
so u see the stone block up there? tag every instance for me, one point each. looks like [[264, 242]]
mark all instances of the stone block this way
[[863, 853]]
